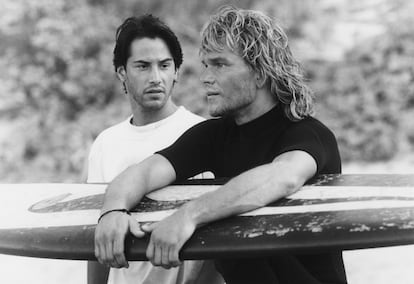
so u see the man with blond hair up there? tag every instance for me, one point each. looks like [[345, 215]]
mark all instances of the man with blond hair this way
[[264, 139]]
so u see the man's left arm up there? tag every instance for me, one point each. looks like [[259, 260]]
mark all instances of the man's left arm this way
[[250, 190]]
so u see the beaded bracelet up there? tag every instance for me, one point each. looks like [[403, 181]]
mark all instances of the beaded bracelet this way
[[114, 210]]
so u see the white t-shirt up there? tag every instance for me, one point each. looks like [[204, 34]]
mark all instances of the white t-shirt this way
[[123, 145]]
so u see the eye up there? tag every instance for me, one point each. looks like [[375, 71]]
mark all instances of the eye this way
[[142, 67], [220, 64], [165, 65]]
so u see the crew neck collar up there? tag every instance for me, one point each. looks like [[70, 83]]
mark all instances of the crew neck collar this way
[[156, 124], [274, 118]]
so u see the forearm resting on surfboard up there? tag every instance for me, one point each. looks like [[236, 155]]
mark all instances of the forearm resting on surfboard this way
[[250, 190], [123, 193], [254, 188], [128, 188]]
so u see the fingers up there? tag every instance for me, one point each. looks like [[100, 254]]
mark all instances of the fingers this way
[[100, 249], [174, 257], [163, 255], [155, 253], [165, 258], [108, 257], [135, 228], [148, 227], [150, 251], [109, 241], [98, 253], [111, 252], [101, 252], [157, 250], [118, 252], [157, 261], [167, 238]]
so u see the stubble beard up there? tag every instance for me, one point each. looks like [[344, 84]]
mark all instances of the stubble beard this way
[[216, 109], [152, 105], [228, 108]]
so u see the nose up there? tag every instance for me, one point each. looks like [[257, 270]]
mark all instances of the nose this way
[[207, 77], [155, 76]]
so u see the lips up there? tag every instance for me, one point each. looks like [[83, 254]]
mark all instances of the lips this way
[[154, 91], [211, 93]]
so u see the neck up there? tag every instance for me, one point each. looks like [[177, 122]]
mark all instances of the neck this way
[[264, 102], [143, 117]]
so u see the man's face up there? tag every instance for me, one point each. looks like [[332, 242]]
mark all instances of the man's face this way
[[229, 83], [149, 73]]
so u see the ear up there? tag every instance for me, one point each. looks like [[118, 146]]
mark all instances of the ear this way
[[176, 77], [260, 80], [121, 73]]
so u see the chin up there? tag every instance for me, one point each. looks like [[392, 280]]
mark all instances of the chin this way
[[154, 105], [215, 112], [215, 107]]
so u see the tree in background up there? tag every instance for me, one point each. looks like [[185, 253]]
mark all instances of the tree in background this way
[[368, 96]]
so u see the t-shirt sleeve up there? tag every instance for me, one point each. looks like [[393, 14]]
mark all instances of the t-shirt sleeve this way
[[309, 138], [191, 153]]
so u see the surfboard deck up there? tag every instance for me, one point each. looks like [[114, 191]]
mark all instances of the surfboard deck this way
[[332, 212]]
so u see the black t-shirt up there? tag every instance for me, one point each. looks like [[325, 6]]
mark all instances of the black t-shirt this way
[[227, 149]]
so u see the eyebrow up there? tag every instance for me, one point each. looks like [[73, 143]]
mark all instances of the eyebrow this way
[[215, 59], [142, 61]]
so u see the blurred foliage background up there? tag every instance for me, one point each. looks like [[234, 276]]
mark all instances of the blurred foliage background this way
[[58, 89]]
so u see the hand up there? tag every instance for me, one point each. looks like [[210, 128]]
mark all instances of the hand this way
[[110, 236], [167, 238]]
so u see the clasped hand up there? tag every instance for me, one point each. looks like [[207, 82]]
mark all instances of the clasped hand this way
[[110, 238], [167, 238]]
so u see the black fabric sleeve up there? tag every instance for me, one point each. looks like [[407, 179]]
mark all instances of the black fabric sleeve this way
[[312, 138], [191, 153]]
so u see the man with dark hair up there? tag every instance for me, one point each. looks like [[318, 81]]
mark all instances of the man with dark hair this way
[[146, 26], [147, 57], [265, 140]]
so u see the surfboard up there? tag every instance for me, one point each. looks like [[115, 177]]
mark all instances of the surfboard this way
[[331, 212]]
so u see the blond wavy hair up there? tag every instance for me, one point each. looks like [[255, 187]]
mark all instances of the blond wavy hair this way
[[264, 46]]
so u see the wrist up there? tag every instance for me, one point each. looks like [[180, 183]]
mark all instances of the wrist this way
[[120, 210], [191, 213]]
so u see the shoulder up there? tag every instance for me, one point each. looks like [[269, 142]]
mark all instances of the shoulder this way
[[198, 121], [309, 133], [188, 115], [205, 130], [311, 124], [315, 138], [310, 121], [111, 132], [211, 124], [119, 127], [182, 120]]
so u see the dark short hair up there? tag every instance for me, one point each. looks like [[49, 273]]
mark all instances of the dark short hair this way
[[141, 27]]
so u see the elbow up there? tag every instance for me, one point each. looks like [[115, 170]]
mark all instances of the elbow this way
[[277, 188], [288, 185], [288, 179], [291, 185]]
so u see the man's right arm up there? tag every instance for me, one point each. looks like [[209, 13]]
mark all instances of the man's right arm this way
[[124, 192]]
